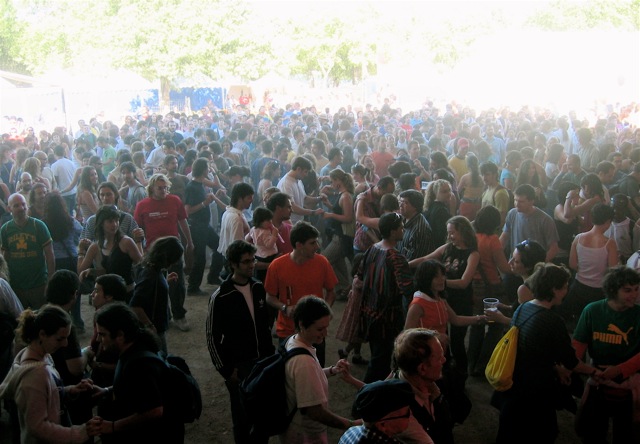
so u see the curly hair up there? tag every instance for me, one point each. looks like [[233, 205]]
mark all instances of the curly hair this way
[[616, 278], [546, 278]]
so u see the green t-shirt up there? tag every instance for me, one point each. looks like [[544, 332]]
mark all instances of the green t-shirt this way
[[23, 248], [612, 336], [109, 153]]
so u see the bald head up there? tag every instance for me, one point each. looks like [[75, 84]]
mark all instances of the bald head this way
[[18, 207], [26, 181]]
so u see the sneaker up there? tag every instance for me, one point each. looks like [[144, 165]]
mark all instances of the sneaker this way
[[196, 292], [359, 360], [182, 324]]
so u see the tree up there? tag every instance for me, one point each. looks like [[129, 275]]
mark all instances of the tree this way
[[10, 31], [164, 40], [595, 14], [157, 39]]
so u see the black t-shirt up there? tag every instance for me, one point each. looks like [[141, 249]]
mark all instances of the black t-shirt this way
[[137, 388], [194, 194], [62, 355]]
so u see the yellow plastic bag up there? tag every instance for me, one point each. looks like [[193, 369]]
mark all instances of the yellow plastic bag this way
[[499, 370]]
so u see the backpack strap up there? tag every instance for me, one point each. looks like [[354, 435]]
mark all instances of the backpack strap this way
[[495, 190], [526, 320], [296, 352]]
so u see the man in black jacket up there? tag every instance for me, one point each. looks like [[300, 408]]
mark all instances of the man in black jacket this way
[[237, 329]]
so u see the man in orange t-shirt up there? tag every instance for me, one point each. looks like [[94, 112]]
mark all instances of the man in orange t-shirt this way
[[302, 272]]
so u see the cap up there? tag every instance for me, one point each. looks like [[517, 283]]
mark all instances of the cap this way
[[376, 400], [463, 142]]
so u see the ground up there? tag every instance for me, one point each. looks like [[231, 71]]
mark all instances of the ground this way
[[214, 427]]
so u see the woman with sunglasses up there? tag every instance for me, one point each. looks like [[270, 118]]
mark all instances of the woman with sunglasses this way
[[387, 289]]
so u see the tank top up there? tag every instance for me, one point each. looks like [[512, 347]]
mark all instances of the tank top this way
[[455, 263], [85, 211], [592, 264], [118, 262], [566, 233]]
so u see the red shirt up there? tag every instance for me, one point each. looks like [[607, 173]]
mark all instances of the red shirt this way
[[311, 278], [160, 218], [284, 247]]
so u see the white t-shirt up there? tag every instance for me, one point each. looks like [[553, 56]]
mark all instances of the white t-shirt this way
[[64, 170], [294, 188], [306, 386]]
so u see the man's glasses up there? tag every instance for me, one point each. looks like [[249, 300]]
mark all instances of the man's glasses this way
[[249, 261]]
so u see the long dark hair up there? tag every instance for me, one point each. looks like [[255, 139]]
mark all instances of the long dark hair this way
[[106, 213], [56, 216], [85, 180], [118, 316]]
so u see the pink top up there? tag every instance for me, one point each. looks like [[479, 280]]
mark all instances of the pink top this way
[[264, 240]]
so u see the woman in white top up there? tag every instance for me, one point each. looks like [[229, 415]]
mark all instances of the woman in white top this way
[[592, 253], [35, 385], [307, 382]]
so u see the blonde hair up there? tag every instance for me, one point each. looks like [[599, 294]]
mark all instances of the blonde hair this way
[[345, 178], [432, 191]]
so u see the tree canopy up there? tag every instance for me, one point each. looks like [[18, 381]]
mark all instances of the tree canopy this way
[[327, 43]]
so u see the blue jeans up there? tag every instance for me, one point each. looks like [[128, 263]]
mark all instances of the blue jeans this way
[[203, 236], [381, 346], [71, 203], [241, 426], [177, 291]]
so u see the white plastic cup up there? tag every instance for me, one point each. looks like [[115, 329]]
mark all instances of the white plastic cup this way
[[490, 304]]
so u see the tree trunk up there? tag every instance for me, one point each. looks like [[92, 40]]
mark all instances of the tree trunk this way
[[165, 88]]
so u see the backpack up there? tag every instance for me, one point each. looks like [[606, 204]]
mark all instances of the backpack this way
[[183, 398], [499, 370], [263, 394]]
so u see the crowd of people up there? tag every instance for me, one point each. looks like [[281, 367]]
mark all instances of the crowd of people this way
[[411, 219]]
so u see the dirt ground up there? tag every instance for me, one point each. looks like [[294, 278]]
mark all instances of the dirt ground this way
[[214, 427]]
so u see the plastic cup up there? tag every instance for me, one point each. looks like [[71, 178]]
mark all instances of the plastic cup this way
[[490, 304]]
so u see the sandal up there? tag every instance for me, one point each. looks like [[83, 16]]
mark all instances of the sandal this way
[[359, 360], [343, 354]]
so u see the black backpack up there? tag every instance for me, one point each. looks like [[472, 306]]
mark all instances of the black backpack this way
[[183, 397], [264, 395]]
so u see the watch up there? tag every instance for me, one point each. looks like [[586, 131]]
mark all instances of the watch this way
[[283, 308]]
